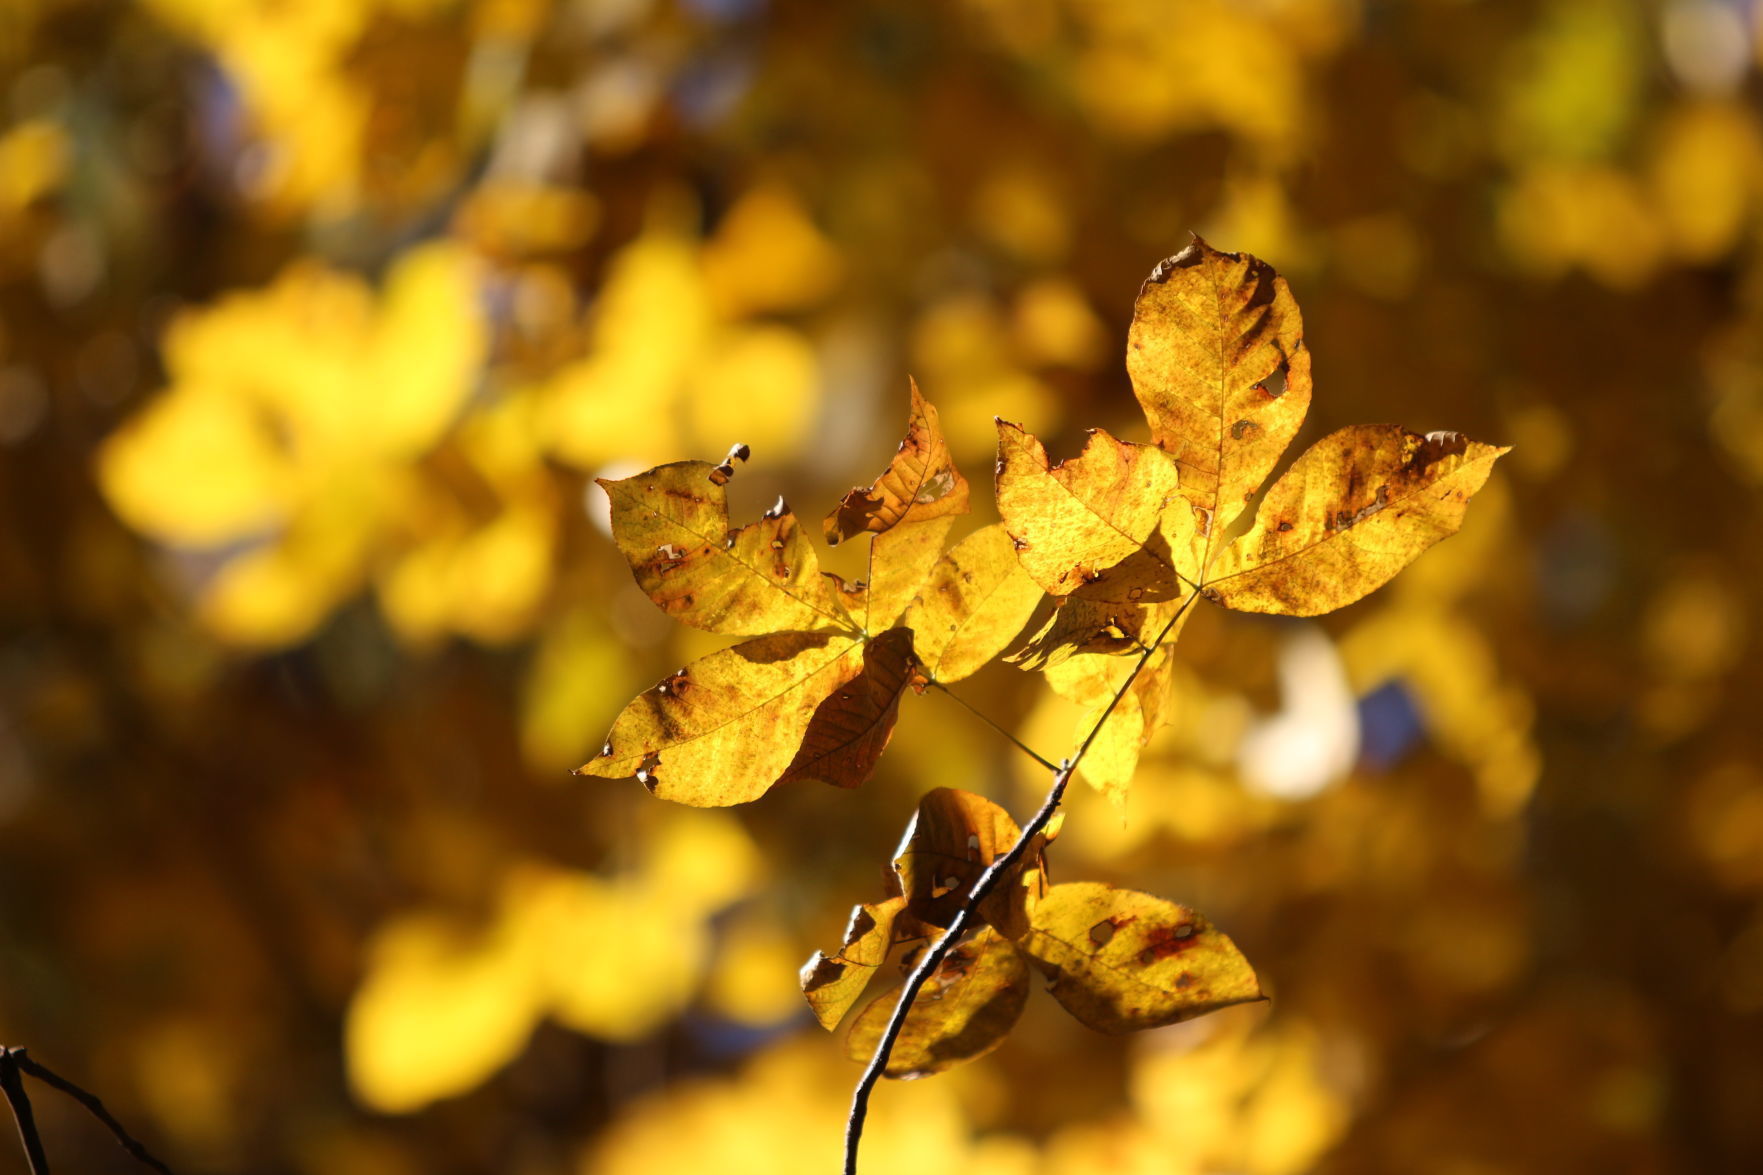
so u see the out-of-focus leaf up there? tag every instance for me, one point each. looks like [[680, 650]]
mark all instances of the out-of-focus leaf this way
[[1120, 960], [1356, 508], [850, 729], [908, 509], [964, 1010], [1111, 521], [1218, 362], [973, 605], [424, 971], [726, 727], [832, 983], [672, 525]]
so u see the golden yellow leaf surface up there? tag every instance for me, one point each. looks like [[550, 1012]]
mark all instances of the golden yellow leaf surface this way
[[725, 728], [975, 601], [832, 983], [964, 1010], [1120, 960], [671, 524], [1217, 359], [920, 483], [1356, 508], [1111, 521], [908, 509]]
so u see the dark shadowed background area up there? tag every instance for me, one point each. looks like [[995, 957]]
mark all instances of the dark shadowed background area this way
[[318, 317]]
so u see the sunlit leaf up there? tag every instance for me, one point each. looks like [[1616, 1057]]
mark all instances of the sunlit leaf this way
[[1218, 362], [908, 509], [726, 727], [1355, 509], [672, 525], [953, 836], [1120, 960], [964, 1010], [1111, 521], [973, 605], [832, 983]]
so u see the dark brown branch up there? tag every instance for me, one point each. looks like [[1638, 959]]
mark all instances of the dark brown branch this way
[[13, 1061], [933, 958], [21, 1110], [985, 718]]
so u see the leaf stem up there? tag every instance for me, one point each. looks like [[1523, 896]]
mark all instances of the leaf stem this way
[[987, 719], [12, 1062], [933, 958]]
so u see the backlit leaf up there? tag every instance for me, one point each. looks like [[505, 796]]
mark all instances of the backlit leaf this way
[[833, 983], [726, 727], [909, 509], [1111, 520], [1356, 508], [672, 525], [921, 482], [963, 1011], [1120, 960], [975, 602], [953, 836], [1218, 362]]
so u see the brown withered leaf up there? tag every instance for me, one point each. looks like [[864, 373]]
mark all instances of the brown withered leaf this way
[[1217, 359], [832, 983], [965, 1009], [1356, 508], [972, 606], [851, 727], [909, 510], [954, 835], [1120, 960], [671, 524]]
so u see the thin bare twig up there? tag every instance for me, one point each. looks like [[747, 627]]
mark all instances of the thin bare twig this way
[[988, 881], [12, 1062], [986, 718], [21, 1110]]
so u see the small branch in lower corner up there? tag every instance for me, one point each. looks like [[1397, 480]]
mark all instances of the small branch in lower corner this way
[[15, 1061]]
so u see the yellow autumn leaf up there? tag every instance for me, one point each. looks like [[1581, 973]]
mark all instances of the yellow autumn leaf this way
[[964, 1010], [727, 727], [672, 525], [441, 1009], [1111, 521], [974, 603], [1120, 960], [832, 983], [1356, 508], [1217, 359], [908, 509]]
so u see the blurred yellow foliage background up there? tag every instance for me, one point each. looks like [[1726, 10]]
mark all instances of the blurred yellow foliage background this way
[[318, 318]]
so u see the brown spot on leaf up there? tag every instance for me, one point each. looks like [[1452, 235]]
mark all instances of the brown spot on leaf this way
[[1241, 429], [1164, 941]]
